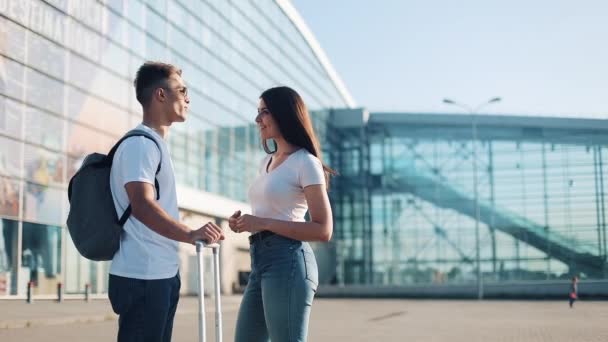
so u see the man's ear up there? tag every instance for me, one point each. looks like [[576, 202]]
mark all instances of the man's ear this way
[[160, 95]]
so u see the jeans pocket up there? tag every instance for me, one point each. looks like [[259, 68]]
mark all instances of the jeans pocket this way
[[310, 267]]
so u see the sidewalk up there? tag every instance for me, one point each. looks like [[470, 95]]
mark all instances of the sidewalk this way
[[347, 319], [19, 314]]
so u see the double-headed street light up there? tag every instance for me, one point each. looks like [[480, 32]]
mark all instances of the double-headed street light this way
[[473, 112], [470, 109]]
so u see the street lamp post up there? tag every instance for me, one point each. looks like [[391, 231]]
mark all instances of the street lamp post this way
[[473, 112]]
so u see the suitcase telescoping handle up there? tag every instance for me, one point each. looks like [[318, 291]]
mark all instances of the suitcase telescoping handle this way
[[200, 245]]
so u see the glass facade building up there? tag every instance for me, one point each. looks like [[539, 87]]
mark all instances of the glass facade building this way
[[422, 199], [66, 73]]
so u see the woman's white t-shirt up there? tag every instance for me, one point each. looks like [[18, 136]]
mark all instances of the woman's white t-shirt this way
[[279, 193]]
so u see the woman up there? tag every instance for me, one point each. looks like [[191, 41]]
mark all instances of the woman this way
[[291, 181]]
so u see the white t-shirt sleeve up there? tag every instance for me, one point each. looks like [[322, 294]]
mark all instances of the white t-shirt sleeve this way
[[137, 160], [311, 171]]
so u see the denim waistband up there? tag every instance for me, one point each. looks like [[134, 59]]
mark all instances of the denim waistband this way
[[253, 238]]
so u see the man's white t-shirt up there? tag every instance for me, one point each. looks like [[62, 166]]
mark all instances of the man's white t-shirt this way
[[279, 194], [143, 253]]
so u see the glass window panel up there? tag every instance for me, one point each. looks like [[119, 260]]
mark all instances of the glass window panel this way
[[60, 4], [137, 42], [12, 37], [154, 49], [116, 28], [96, 113], [88, 12], [136, 13], [42, 166], [47, 21], [8, 257], [10, 157], [11, 117], [178, 152], [117, 5], [110, 88], [192, 175], [159, 5], [156, 25], [77, 102], [135, 120], [191, 6], [73, 164], [180, 43], [115, 120], [46, 56], [207, 37], [82, 72], [84, 41], [210, 15], [43, 129], [11, 78], [41, 257], [18, 11], [42, 203], [80, 271], [114, 57], [180, 171], [83, 140], [43, 91], [9, 198], [177, 14], [193, 24]]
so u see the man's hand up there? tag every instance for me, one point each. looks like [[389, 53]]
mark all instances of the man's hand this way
[[210, 233], [232, 221]]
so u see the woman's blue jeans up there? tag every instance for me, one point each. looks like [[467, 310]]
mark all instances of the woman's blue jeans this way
[[278, 298]]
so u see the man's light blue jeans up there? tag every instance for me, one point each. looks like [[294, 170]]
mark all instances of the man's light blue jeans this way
[[278, 298]]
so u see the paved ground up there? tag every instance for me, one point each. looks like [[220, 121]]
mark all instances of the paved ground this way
[[337, 320]]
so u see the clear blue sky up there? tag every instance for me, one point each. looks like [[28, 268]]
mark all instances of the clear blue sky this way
[[543, 57]]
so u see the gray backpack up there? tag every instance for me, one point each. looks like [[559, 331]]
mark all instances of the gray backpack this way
[[92, 221]]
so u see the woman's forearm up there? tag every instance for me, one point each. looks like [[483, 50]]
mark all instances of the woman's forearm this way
[[303, 231]]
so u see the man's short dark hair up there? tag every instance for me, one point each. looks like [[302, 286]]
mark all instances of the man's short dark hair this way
[[150, 76]]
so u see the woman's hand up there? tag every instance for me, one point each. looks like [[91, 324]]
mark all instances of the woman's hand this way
[[249, 223], [232, 221]]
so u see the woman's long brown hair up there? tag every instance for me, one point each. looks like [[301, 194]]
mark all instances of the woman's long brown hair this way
[[289, 111]]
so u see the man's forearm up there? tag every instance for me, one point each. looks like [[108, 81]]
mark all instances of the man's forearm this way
[[155, 218]]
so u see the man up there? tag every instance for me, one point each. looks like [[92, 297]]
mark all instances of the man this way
[[144, 280]]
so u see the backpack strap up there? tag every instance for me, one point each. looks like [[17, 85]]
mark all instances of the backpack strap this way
[[136, 133]]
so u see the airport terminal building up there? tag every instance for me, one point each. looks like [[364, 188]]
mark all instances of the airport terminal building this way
[[449, 205], [66, 90], [419, 200]]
